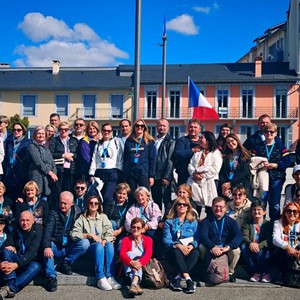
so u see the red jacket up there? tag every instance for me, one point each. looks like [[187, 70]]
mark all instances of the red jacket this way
[[127, 246]]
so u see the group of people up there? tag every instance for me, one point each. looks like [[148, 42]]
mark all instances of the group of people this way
[[86, 193]]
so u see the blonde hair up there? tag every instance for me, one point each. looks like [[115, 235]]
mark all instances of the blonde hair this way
[[29, 185], [146, 135], [190, 214]]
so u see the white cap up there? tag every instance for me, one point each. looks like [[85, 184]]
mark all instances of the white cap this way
[[296, 169]]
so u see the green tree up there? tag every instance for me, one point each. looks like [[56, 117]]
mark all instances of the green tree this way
[[17, 118]]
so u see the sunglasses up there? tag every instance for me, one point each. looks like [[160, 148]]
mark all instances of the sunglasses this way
[[181, 204], [94, 203], [292, 211], [80, 188], [269, 131], [238, 194], [63, 129], [79, 124], [2, 222], [139, 125], [136, 227], [107, 130], [17, 130], [2, 122]]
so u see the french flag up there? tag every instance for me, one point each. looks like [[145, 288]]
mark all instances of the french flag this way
[[202, 108]]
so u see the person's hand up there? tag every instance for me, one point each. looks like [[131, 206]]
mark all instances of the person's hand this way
[[291, 251], [20, 200], [161, 225], [117, 232], [272, 166], [48, 253], [184, 249], [216, 251], [135, 264], [196, 149], [53, 176], [151, 181], [68, 156], [8, 267], [197, 176], [94, 237], [165, 182], [254, 247], [224, 249], [11, 248]]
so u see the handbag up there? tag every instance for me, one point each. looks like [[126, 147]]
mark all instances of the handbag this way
[[218, 270], [154, 276], [292, 275]]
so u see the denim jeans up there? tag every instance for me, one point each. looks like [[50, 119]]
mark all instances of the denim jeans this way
[[21, 277], [273, 197], [71, 253], [103, 257], [256, 262], [129, 271]]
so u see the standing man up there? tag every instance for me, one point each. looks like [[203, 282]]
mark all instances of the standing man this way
[[185, 148], [56, 242], [220, 234], [79, 129], [54, 119], [161, 190], [252, 141], [18, 265]]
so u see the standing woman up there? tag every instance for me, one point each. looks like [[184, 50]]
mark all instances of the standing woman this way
[[139, 157], [95, 232], [278, 161], [235, 168], [204, 168], [15, 151], [41, 165], [86, 149], [181, 241], [4, 132], [50, 133], [106, 160], [223, 133], [64, 148]]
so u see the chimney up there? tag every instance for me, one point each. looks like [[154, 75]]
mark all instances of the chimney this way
[[258, 66], [4, 65], [55, 67]]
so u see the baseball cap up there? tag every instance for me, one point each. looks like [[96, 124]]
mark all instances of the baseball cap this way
[[296, 169]]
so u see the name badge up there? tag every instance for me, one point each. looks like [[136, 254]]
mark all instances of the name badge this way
[[65, 240], [103, 165], [136, 160], [230, 176]]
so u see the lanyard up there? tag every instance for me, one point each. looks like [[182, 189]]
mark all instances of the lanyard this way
[[137, 146], [82, 202], [142, 215], [96, 230], [269, 151], [256, 231], [66, 144], [292, 236], [105, 149], [231, 163], [119, 211], [22, 243], [33, 207], [219, 231], [68, 219], [178, 224], [140, 248], [1, 207]]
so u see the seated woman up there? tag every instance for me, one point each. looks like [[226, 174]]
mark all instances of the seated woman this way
[[117, 211], [146, 210], [181, 242], [33, 202], [286, 236], [239, 208], [5, 203], [136, 251], [257, 237]]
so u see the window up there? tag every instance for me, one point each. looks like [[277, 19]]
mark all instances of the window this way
[[116, 106], [175, 132], [62, 104], [152, 130], [151, 99], [246, 131], [174, 104], [281, 103], [222, 103], [28, 105], [89, 103], [247, 103]]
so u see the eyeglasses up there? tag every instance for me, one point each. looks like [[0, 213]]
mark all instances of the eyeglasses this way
[[238, 194], [269, 131], [139, 125], [2, 222], [79, 124], [2, 122], [292, 211], [181, 204], [107, 130], [63, 129], [219, 207], [17, 129], [136, 227], [94, 203], [80, 188]]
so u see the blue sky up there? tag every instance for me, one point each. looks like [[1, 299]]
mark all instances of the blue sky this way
[[102, 33]]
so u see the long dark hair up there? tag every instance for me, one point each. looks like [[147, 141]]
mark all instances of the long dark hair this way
[[87, 203], [244, 154], [211, 139]]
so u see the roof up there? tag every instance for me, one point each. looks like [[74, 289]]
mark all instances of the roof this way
[[29, 79]]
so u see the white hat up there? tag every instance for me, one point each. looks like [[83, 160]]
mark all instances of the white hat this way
[[296, 169]]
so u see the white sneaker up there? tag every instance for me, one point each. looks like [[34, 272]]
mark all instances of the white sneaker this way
[[103, 284], [114, 284]]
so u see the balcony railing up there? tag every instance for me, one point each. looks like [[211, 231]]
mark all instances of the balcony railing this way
[[102, 114], [290, 113]]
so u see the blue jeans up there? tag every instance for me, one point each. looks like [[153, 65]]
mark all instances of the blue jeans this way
[[21, 277], [71, 253], [129, 271], [103, 257], [256, 262]]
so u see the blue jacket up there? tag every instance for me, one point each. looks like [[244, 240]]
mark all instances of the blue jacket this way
[[146, 165], [187, 229]]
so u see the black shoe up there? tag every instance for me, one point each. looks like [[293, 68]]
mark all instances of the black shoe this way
[[66, 268], [176, 285], [52, 284], [232, 278], [190, 286]]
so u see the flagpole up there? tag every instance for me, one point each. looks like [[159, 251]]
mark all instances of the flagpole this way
[[164, 39], [189, 109]]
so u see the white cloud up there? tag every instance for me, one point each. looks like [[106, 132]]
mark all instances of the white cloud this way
[[202, 9], [183, 24], [54, 39]]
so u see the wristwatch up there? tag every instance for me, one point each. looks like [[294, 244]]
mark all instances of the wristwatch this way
[[227, 246]]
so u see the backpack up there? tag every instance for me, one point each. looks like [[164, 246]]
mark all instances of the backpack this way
[[154, 276], [218, 270], [292, 275]]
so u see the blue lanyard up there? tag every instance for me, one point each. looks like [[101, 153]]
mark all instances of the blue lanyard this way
[[141, 249], [178, 224], [82, 202], [1, 207], [219, 231], [33, 207], [23, 246], [105, 149], [292, 236], [231, 163], [66, 225], [269, 152], [123, 212], [137, 146]]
